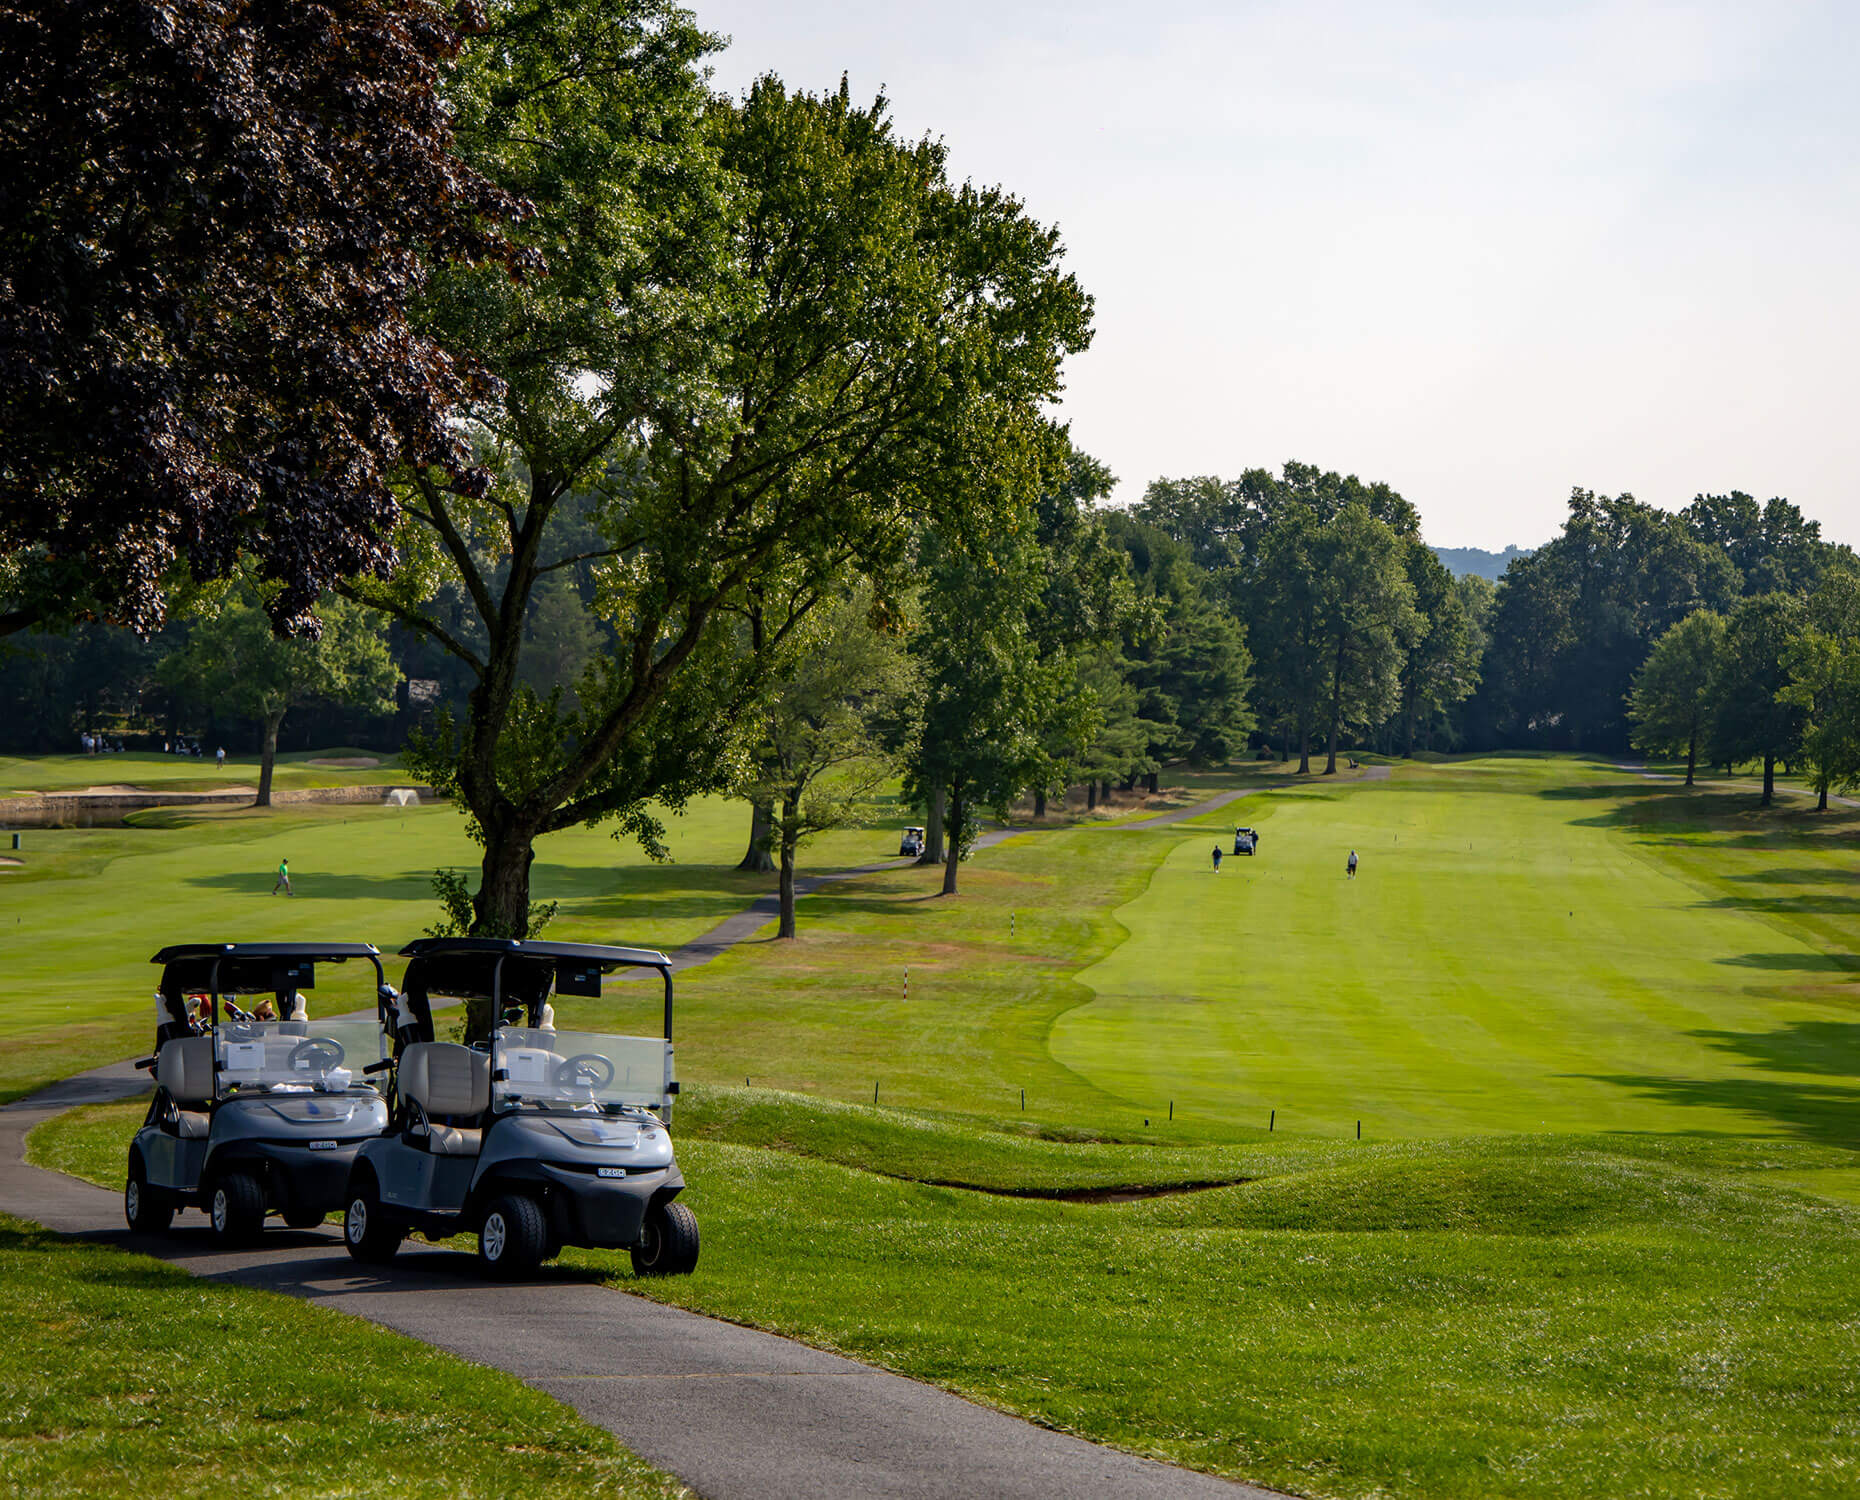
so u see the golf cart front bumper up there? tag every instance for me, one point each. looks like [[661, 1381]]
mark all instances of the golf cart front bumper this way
[[603, 1213], [307, 1179]]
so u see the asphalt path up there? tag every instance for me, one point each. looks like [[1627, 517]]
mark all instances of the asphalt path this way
[[735, 1413]]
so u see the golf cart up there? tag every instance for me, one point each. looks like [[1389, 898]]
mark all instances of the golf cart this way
[[529, 1136], [253, 1116], [1246, 841], [912, 842]]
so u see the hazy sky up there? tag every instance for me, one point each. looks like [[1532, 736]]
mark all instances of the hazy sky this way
[[1485, 252]]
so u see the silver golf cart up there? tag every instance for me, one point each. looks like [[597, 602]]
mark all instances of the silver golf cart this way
[[911, 841], [253, 1116], [528, 1134], [1246, 841]]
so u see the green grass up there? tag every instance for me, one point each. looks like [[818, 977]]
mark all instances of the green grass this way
[[1495, 1316], [88, 907], [220, 1390], [177, 773], [1601, 1235]]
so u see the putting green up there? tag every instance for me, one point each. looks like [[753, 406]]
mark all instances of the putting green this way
[[1530, 945]]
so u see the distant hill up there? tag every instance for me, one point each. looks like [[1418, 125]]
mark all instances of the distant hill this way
[[1477, 560]]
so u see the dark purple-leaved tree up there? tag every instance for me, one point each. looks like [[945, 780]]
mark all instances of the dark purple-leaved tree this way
[[213, 219]]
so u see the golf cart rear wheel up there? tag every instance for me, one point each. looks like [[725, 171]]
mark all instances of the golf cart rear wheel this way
[[237, 1208], [513, 1237], [148, 1210], [668, 1244], [367, 1232]]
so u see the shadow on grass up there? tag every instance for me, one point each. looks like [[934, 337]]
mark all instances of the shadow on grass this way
[[1785, 906], [1821, 1113], [1830, 1047], [1813, 963]]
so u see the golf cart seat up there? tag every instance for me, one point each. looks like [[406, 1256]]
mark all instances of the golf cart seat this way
[[446, 1081], [184, 1067]]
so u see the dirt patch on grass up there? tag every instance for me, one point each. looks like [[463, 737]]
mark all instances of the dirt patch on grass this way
[[1135, 1192], [345, 762]]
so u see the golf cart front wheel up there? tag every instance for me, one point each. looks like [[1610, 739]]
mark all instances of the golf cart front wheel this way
[[514, 1236], [148, 1210], [668, 1244], [367, 1232], [237, 1208]]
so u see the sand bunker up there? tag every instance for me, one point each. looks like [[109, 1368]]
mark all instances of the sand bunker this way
[[346, 762]]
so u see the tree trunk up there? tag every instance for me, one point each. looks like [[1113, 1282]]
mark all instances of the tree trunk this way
[[1304, 751], [1769, 779], [1408, 725], [790, 824], [1039, 802], [1336, 710], [1692, 757], [756, 859], [1091, 795], [502, 906], [1153, 781], [958, 814], [1104, 790], [268, 757], [1330, 761], [933, 830]]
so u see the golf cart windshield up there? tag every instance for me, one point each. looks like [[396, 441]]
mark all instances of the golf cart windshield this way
[[295, 1056], [539, 1068]]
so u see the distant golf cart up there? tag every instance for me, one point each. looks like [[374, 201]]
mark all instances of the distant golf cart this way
[[252, 1116], [1246, 841], [912, 843], [529, 1136]]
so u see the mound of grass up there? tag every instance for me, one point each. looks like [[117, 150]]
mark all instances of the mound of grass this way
[[222, 1390]]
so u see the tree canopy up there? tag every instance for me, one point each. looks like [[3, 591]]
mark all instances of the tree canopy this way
[[214, 221]]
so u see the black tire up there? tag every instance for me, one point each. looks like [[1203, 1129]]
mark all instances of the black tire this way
[[371, 1237], [513, 1237], [668, 1243], [236, 1207], [304, 1218], [148, 1210]]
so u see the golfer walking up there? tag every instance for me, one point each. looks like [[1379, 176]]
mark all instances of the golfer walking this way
[[284, 876], [1350, 867], [1217, 859]]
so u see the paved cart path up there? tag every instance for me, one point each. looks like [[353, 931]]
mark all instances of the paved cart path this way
[[734, 1413]]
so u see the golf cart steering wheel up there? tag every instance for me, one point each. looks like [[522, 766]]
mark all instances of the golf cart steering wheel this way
[[585, 1070], [319, 1053]]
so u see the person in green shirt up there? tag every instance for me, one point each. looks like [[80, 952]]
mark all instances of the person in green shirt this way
[[284, 878]]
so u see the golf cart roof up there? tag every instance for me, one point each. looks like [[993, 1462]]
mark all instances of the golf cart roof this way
[[334, 952], [243, 968], [580, 953], [913, 828]]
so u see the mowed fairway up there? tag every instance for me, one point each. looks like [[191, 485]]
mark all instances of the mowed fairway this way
[[1530, 945], [82, 915]]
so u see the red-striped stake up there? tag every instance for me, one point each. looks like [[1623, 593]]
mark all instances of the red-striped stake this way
[[907, 981]]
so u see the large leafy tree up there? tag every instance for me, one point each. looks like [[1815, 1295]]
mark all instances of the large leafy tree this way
[[839, 725], [1670, 706], [213, 220], [1751, 717], [1440, 667], [1365, 621], [1824, 680], [235, 662], [774, 339]]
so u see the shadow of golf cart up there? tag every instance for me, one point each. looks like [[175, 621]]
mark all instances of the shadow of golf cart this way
[[530, 1135], [256, 1111]]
